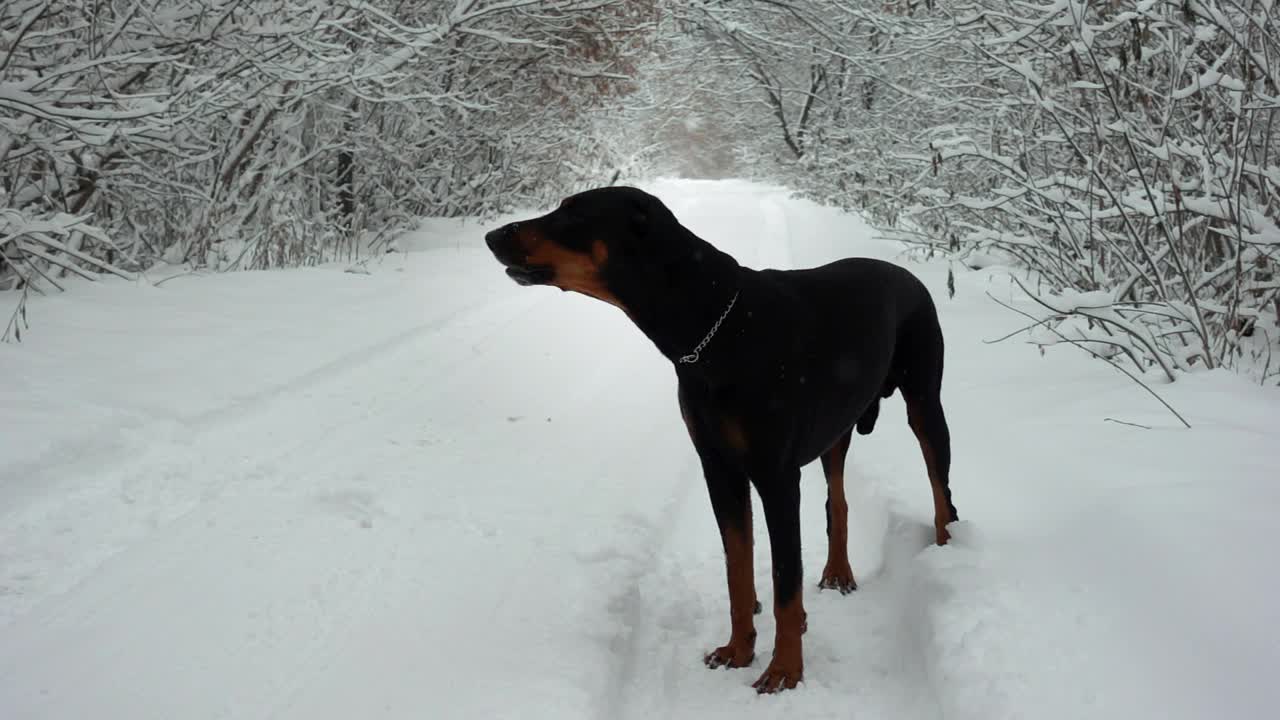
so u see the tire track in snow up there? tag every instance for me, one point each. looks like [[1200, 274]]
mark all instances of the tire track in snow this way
[[356, 358], [132, 498], [864, 652], [627, 605], [330, 548], [38, 475], [469, 372]]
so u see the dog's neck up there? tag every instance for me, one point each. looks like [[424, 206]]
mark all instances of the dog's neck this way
[[696, 290]]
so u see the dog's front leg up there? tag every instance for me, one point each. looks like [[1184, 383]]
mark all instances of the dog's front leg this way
[[780, 496], [731, 501]]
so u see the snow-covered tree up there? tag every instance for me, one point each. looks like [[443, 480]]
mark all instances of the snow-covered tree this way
[[1131, 154], [1123, 153], [226, 133]]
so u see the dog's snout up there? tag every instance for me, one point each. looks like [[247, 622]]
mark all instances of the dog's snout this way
[[506, 244], [495, 239], [505, 241]]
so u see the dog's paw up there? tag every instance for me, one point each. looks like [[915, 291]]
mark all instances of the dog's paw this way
[[779, 677], [941, 534], [838, 577], [730, 656]]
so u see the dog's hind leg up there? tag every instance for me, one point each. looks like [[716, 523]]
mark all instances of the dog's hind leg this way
[[922, 390], [837, 574], [930, 426]]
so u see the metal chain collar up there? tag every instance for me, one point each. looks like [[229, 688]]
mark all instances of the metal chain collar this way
[[697, 351]]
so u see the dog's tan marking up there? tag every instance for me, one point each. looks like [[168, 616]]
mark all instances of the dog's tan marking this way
[[786, 669], [837, 574], [741, 648], [575, 271], [941, 508], [731, 430]]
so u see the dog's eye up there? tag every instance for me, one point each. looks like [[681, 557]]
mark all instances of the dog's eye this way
[[569, 230]]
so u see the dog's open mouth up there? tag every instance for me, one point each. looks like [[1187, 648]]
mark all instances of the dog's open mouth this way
[[531, 275]]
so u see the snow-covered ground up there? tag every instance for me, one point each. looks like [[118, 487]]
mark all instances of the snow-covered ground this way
[[429, 493]]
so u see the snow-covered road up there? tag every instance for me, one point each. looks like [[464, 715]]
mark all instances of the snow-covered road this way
[[429, 493]]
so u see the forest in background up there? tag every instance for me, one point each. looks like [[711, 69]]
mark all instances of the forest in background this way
[[1120, 153]]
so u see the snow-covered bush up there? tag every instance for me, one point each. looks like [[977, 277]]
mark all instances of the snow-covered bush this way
[[1124, 152], [1131, 148], [231, 134]]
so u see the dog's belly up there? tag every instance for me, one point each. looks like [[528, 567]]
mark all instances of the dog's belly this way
[[836, 402]]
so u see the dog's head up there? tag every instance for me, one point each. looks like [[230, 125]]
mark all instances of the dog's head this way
[[588, 243]]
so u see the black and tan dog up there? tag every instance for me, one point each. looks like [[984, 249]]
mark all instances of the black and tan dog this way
[[775, 368]]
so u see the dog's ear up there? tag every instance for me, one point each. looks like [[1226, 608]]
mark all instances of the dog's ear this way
[[646, 214]]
